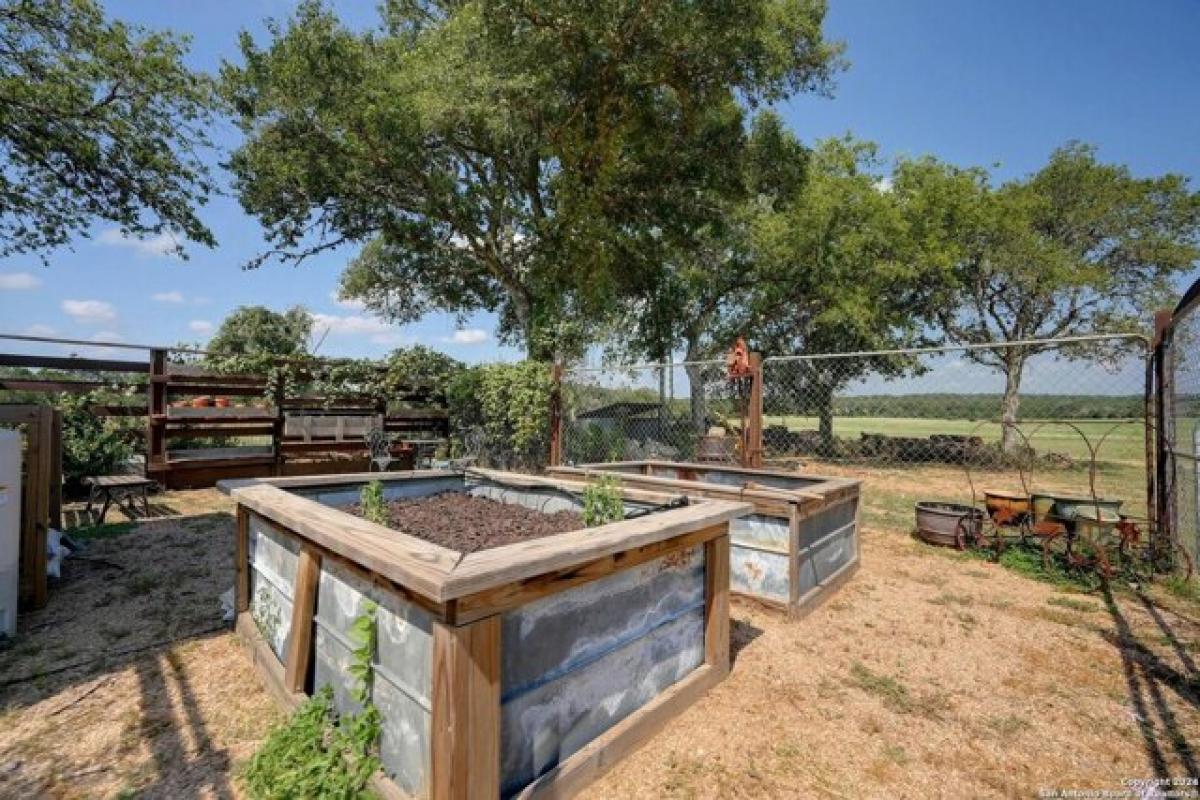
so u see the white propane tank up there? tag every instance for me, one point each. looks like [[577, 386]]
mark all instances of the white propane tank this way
[[10, 528]]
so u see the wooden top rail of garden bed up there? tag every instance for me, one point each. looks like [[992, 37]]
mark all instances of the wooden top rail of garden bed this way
[[488, 579]]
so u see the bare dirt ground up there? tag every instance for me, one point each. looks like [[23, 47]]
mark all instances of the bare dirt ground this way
[[930, 674]]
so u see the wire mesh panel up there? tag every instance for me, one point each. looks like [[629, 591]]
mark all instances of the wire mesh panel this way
[[1182, 408], [686, 411], [1033, 415]]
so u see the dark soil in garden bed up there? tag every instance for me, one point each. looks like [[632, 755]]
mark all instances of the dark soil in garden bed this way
[[468, 524]]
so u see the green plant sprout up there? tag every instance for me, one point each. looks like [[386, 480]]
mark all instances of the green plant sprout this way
[[602, 502], [374, 508]]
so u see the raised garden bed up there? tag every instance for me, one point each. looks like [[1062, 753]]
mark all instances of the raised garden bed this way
[[799, 544], [522, 669]]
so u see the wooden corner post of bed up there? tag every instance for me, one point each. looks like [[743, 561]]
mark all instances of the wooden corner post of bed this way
[[241, 589], [466, 711], [716, 604], [304, 608]]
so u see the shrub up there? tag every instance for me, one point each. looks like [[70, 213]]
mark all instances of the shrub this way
[[91, 445], [602, 502], [510, 403]]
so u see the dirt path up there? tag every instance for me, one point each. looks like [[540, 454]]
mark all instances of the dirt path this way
[[929, 675]]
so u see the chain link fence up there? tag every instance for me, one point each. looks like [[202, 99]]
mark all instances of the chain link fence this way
[[685, 411], [937, 423], [1181, 407]]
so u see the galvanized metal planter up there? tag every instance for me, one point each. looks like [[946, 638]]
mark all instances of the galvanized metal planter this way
[[799, 544], [522, 670]]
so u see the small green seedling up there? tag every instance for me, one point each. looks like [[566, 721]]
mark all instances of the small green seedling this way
[[374, 508], [602, 502]]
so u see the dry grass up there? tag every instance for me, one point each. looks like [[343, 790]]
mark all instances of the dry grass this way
[[127, 683], [928, 675]]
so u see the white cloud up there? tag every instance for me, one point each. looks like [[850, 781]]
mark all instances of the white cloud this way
[[157, 246], [40, 330], [90, 311], [353, 305], [173, 296], [349, 324], [200, 326], [13, 281], [374, 329], [884, 185], [467, 336]]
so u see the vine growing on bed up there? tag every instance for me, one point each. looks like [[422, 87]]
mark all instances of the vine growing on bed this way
[[319, 752]]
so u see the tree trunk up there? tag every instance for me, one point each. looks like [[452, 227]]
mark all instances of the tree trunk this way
[[1014, 365], [823, 398], [698, 401]]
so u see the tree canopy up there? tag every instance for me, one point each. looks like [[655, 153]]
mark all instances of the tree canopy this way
[[529, 157], [1077, 248], [99, 121], [259, 331]]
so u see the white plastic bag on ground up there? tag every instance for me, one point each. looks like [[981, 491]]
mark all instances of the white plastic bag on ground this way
[[227, 605], [56, 551]]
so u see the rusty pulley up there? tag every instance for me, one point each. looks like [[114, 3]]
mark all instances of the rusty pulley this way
[[737, 363]]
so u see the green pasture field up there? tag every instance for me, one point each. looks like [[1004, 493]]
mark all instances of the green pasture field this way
[[1117, 441]]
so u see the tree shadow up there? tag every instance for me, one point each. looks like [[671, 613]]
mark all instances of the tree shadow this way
[[1149, 679], [129, 592], [741, 635], [168, 735]]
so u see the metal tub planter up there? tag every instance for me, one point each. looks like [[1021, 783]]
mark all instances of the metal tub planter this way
[[796, 548], [949, 524], [1064, 508], [524, 669]]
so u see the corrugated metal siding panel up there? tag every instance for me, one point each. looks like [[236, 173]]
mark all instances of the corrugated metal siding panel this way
[[392, 490], [821, 524], [546, 501], [761, 531], [273, 558], [542, 727], [821, 561], [726, 477], [403, 664], [576, 663], [758, 573]]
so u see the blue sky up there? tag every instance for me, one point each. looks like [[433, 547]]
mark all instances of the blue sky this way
[[971, 81]]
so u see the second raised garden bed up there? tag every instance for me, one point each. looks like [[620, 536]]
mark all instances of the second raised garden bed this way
[[526, 669], [794, 550]]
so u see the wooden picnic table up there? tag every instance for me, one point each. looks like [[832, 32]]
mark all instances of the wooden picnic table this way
[[117, 489]]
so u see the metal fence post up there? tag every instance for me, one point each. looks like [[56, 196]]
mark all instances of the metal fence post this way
[[556, 415], [753, 455]]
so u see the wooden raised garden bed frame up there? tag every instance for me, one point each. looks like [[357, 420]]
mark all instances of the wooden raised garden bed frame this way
[[470, 601], [800, 544]]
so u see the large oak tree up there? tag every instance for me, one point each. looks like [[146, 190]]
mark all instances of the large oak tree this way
[[1079, 247], [535, 158]]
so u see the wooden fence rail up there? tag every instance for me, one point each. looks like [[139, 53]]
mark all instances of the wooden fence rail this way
[[253, 413]]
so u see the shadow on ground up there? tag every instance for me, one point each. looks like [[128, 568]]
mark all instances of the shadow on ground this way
[[116, 624], [1149, 677], [741, 635]]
